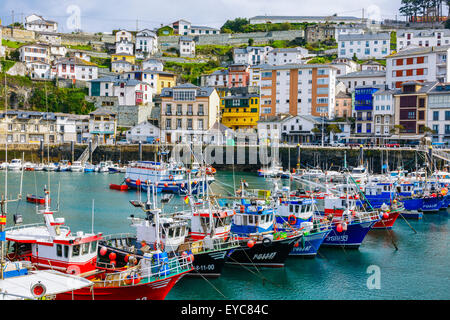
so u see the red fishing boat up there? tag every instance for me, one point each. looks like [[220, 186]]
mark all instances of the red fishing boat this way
[[52, 245], [120, 187], [36, 199]]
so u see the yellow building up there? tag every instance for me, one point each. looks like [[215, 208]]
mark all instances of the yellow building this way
[[240, 111], [164, 80], [123, 57]]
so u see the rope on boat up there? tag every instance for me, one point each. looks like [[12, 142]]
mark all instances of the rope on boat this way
[[408, 223], [390, 235], [213, 286]]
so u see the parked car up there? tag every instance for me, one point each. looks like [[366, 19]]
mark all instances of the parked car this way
[[392, 145]]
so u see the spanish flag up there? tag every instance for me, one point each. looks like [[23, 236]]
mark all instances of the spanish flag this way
[[186, 199], [2, 220]]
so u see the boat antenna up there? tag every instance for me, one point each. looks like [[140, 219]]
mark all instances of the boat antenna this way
[[93, 203]]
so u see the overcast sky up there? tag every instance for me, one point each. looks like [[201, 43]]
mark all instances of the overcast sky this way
[[103, 16]]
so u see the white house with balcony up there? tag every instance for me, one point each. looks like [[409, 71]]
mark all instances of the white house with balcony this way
[[251, 55], [125, 47], [287, 55], [34, 53], [364, 46], [146, 43], [123, 35], [438, 117], [103, 126], [383, 112], [152, 64]]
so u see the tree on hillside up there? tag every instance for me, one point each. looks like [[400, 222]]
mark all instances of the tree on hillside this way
[[250, 42], [235, 25]]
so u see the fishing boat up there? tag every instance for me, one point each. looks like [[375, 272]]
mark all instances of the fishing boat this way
[[167, 176], [53, 246], [275, 170], [36, 199], [165, 198], [64, 165], [39, 167], [208, 249], [103, 166]]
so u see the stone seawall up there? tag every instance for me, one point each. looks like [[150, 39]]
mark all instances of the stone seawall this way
[[248, 161]]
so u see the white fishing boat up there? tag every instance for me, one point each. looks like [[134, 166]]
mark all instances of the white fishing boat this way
[[39, 167], [50, 167], [29, 166], [77, 166], [15, 165]]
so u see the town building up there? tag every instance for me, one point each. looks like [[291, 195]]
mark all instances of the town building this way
[[146, 43], [364, 46], [251, 55], [422, 38], [186, 46], [240, 111], [345, 66], [418, 64], [372, 65], [122, 66], [184, 27], [34, 53], [383, 113], [123, 36], [362, 78], [103, 126], [218, 78], [144, 132], [238, 75], [152, 64], [298, 89], [438, 118], [343, 107], [27, 127], [35, 22], [411, 109], [320, 32], [188, 112], [50, 38], [351, 28], [76, 69], [125, 47], [287, 56], [363, 106]]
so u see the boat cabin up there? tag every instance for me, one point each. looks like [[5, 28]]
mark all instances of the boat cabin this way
[[253, 217]]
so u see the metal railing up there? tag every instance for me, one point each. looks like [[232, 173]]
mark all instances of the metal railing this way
[[160, 271], [33, 225]]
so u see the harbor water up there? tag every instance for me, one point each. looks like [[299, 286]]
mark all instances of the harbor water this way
[[419, 269]]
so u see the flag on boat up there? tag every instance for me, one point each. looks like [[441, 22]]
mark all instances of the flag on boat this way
[[186, 199], [2, 220], [3, 236]]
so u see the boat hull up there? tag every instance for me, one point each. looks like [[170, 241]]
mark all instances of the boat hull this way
[[351, 238], [387, 223], [272, 255], [155, 290], [308, 246]]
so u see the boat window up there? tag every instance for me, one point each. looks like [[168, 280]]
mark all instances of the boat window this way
[[291, 209], [296, 208], [93, 246], [66, 251], [250, 219], [171, 232], [59, 250], [177, 232], [244, 220], [85, 247], [76, 250]]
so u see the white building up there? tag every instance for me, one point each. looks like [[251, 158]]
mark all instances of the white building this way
[[364, 46], [144, 132], [184, 27], [76, 69], [57, 52], [186, 46], [372, 65], [102, 126], [40, 70], [345, 66], [251, 55], [363, 78], [146, 43], [418, 64], [287, 55], [34, 53], [218, 78], [123, 35], [351, 28], [121, 66], [152, 64], [66, 127], [50, 38], [125, 47], [130, 92], [438, 117], [35, 22], [383, 112], [423, 38]]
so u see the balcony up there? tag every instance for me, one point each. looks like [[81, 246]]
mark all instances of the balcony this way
[[168, 113], [179, 113], [200, 113], [189, 113]]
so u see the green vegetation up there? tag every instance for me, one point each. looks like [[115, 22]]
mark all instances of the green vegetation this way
[[191, 72], [223, 52], [393, 40], [12, 44], [297, 42], [321, 45], [68, 100], [102, 62], [7, 64], [165, 31], [242, 25], [86, 47], [323, 59]]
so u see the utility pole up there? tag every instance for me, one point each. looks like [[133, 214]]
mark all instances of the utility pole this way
[[322, 127]]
